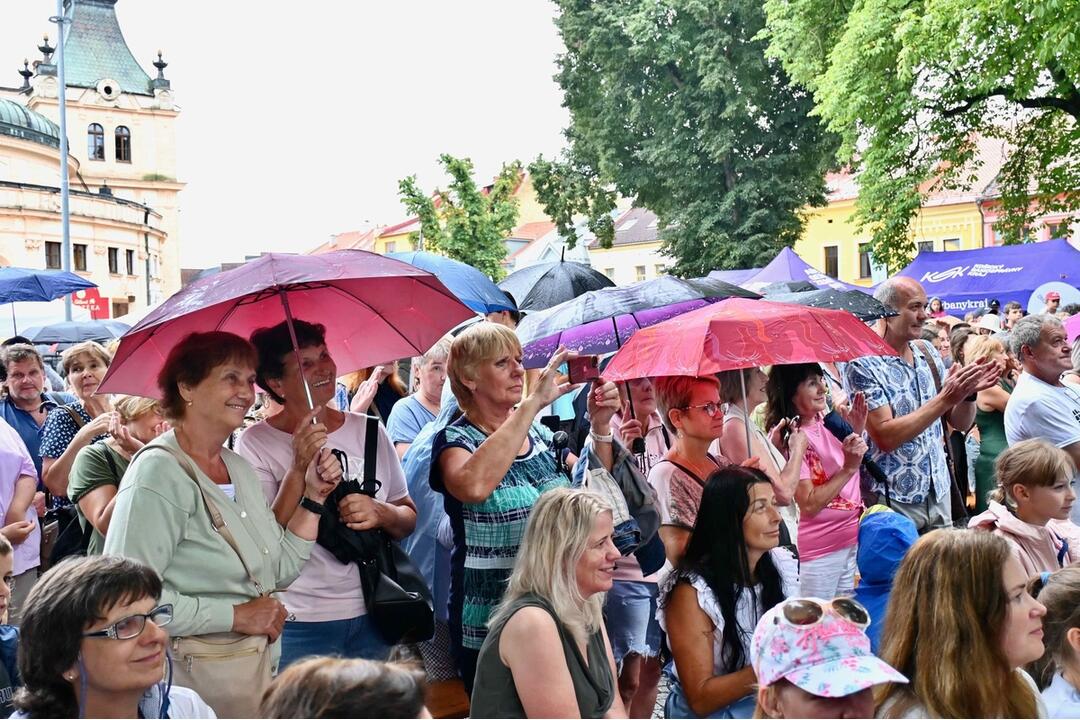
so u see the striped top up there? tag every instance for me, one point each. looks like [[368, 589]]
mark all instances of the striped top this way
[[487, 535]]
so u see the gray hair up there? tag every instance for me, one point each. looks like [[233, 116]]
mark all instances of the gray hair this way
[[888, 293], [1028, 330]]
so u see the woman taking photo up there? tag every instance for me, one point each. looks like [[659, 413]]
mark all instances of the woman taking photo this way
[[989, 414], [493, 464], [326, 601], [97, 470], [72, 427], [783, 473], [412, 413], [828, 494], [93, 645], [551, 618], [185, 485], [690, 408], [961, 625], [1030, 506], [732, 573]]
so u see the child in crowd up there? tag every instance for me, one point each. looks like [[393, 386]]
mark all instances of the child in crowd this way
[[1058, 671]]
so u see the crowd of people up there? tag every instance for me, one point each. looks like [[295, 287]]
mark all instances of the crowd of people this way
[[891, 536]]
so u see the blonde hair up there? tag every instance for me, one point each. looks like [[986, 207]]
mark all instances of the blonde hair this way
[[977, 347], [674, 392], [130, 407], [93, 349], [1031, 463], [555, 538], [478, 344], [943, 631]]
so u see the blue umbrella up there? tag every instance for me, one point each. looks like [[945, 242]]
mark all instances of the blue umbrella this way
[[471, 286], [76, 332], [27, 284]]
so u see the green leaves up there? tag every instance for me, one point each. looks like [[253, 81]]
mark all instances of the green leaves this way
[[466, 223], [674, 104]]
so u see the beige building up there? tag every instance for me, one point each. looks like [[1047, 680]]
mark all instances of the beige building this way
[[124, 205]]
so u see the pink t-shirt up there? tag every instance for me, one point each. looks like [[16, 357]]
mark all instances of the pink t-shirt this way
[[14, 463], [326, 589], [837, 525]]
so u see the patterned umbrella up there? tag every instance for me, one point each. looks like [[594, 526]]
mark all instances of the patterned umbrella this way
[[859, 304]]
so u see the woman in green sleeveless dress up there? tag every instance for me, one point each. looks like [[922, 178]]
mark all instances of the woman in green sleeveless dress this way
[[989, 414], [547, 653]]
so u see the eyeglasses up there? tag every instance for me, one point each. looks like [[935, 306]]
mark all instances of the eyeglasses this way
[[807, 611], [133, 625], [710, 408]]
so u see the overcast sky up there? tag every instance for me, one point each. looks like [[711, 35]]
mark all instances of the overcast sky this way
[[299, 118]]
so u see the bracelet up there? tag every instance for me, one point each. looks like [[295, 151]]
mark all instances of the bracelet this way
[[601, 438], [312, 506]]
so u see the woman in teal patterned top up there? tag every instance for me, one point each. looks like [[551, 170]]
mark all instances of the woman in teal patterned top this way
[[492, 464]]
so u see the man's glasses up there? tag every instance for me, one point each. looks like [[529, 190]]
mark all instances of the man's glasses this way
[[710, 408], [133, 625]]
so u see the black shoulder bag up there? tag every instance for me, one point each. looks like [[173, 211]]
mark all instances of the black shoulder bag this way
[[395, 593]]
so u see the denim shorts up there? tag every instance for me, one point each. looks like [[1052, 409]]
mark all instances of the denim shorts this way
[[630, 617]]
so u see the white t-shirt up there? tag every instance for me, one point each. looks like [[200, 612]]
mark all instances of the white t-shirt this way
[[1039, 410], [326, 589]]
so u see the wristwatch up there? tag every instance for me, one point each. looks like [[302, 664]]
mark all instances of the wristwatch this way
[[312, 506]]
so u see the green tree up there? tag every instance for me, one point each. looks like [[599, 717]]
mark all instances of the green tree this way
[[674, 104], [912, 86], [466, 222]]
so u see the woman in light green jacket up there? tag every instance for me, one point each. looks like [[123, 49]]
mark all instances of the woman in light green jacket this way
[[161, 518]]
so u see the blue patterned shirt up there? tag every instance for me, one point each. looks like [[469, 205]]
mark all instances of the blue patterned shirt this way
[[890, 380]]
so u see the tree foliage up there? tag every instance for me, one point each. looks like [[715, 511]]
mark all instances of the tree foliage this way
[[912, 86], [674, 104], [466, 222]]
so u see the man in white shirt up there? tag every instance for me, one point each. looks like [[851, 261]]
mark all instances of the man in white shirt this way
[[1041, 406]]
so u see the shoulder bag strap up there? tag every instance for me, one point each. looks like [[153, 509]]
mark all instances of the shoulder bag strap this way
[[216, 518], [79, 422], [370, 485]]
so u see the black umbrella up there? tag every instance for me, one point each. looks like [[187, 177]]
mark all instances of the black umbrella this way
[[858, 303], [545, 285], [76, 332]]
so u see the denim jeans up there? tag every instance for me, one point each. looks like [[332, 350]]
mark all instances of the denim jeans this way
[[353, 638]]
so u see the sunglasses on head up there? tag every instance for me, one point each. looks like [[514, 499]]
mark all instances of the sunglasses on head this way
[[804, 612]]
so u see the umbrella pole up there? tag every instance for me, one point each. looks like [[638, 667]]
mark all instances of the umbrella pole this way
[[296, 348], [746, 410]]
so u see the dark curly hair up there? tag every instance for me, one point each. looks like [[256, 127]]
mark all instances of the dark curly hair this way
[[69, 598], [274, 345]]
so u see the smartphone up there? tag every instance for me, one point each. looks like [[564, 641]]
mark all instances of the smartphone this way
[[583, 369]]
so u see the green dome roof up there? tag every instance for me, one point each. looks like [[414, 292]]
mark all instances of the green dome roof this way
[[17, 121]]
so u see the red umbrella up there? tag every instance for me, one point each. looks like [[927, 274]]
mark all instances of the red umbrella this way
[[375, 309], [739, 333]]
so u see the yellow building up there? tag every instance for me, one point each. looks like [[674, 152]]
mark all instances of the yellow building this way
[[947, 220], [124, 219]]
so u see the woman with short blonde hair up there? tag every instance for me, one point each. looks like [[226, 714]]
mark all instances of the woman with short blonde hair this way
[[960, 626], [553, 605], [494, 463]]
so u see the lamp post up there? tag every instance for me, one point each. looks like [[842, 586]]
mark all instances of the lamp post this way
[[65, 212]]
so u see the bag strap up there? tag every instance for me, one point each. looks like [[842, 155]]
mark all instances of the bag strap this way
[[79, 422], [216, 519], [370, 485]]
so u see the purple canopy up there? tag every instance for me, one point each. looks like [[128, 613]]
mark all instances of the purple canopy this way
[[788, 266]]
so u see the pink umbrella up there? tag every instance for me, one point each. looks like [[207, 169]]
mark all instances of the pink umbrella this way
[[375, 310]]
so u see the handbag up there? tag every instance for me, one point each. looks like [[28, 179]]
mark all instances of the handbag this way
[[229, 670], [396, 596]]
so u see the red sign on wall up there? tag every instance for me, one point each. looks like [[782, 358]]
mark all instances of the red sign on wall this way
[[91, 300]]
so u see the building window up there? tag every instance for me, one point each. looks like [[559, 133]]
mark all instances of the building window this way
[[80, 256], [95, 142], [391, 246], [640, 272], [610, 272], [52, 256], [866, 270], [951, 244], [123, 144], [130, 257], [114, 261], [832, 261]]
